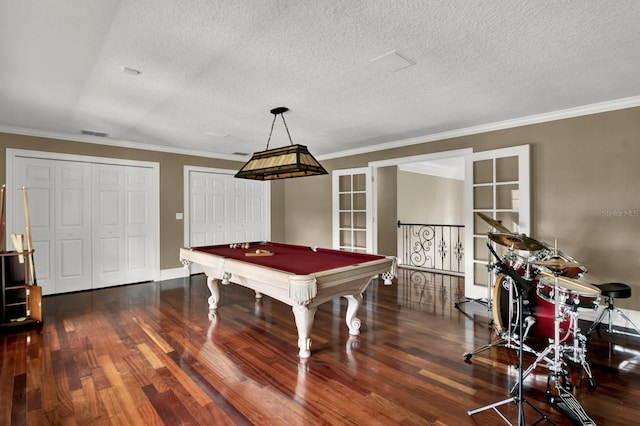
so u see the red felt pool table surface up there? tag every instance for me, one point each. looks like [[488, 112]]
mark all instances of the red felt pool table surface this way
[[299, 260]]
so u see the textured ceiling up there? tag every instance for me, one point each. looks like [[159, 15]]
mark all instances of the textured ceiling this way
[[212, 70]]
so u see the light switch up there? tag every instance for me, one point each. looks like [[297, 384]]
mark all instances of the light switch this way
[[178, 216]]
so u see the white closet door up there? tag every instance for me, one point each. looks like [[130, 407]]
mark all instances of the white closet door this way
[[109, 230], [223, 209], [247, 212], [72, 218], [37, 175], [123, 224], [139, 224], [93, 221], [206, 207]]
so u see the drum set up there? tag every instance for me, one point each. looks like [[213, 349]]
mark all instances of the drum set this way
[[537, 293]]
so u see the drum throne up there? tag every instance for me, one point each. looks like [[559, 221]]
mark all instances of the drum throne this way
[[613, 291]]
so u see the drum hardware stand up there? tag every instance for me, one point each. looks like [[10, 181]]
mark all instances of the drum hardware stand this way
[[507, 339], [578, 351], [552, 364], [554, 344], [575, 353], [565, 402], [519, 398]]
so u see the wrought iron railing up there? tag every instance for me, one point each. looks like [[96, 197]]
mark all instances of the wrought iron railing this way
[[432, 247]]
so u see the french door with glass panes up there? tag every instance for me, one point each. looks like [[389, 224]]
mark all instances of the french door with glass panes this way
[[496, 185], [352, 206]]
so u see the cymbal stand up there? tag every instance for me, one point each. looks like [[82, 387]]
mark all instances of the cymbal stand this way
[[490, 280], [519, 398]]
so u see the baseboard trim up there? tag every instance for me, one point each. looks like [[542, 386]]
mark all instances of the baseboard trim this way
[[171, 274]]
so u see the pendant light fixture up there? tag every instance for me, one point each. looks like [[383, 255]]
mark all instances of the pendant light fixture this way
[[281, 163]]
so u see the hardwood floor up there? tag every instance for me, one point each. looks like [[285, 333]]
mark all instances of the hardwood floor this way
[[149, 354]]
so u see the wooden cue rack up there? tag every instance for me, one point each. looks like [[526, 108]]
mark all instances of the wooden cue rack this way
[[20, 296], [21, 303]]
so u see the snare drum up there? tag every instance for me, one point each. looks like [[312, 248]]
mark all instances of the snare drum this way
[[570, 293]]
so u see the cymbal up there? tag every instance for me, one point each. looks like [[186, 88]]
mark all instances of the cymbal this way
[[495, 224], [515, 241], [580, 287], [556, 263]]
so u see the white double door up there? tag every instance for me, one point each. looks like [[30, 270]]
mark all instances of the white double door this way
[[92, 225], [222, 209]]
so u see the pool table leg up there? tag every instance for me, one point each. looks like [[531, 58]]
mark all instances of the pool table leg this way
[[304, 321], [353, 322], [212, 283]]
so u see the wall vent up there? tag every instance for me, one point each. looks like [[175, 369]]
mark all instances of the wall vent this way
[[92, 133]]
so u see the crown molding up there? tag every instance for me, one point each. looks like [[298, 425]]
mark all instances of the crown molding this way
[[601, 107], [434, 169], [119, 143]]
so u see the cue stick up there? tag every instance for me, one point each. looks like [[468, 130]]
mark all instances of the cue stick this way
[[28, 232], [2, 229], [17, 243]]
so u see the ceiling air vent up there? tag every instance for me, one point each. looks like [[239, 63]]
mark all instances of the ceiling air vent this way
[[393, 61], [92, 133], [240, 153]]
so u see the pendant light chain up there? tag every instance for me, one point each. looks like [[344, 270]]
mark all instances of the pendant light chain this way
[[271, 132], [285, 126]]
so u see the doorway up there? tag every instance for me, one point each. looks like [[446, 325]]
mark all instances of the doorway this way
[[497, 188], [413, 197]]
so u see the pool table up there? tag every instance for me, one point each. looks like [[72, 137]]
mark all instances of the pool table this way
[[302, 277]]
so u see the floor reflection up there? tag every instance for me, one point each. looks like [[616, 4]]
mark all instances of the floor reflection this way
[[429, 292]]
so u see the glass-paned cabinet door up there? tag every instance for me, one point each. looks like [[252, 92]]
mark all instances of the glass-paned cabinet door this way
[[352, 210]]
